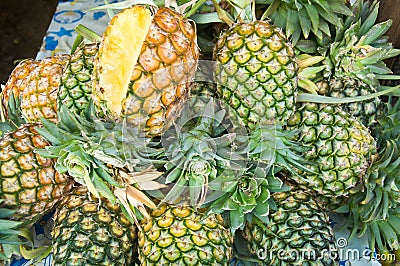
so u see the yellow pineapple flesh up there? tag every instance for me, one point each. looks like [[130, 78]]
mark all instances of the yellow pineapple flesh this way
[[146, 88]]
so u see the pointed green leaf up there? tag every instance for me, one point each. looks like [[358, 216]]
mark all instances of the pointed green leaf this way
[[340, 8], [100, 187], [305, 23], [313, 16], [5, 213], [236, 219], [376, 31], [369, 22], [102, 172], [8, 224], [50, 132], [173, 175], [324, 27]]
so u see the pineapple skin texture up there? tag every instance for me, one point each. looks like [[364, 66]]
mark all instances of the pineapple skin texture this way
[[29, 183], [75, 89], [367, 112], [181, 236], [341, 149], [256, 72], [36, 82], [300, 225], [92, 232]]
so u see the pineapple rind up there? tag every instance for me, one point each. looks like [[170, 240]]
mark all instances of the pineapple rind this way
[[158, 83], [89, 231], [298, 232], [29, 182], [341, 150], [37, 83], [256, 72], [76, 81], [179, 235]]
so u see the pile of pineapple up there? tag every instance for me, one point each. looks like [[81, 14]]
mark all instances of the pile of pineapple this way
[[199, 133]]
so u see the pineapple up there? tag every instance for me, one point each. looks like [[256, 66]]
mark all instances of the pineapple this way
[[257, 75], [29, 183], [36, 82], [298, 232], [341, 150], [181, 235], [144, 66], [355, 61], [368, 111], [46, 84], [256, 72], [197, 152], [16, 82], [92, 231], [76, 81], [373, 209]]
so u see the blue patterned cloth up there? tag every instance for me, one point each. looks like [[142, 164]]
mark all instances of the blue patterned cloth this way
[[60, 38], [61, 33]]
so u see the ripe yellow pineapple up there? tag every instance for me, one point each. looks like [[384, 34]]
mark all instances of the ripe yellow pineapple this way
[[36, 82], [29, 183], [144, 65], [181, 235]]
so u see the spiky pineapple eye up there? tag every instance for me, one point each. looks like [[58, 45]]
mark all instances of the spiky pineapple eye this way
[[234, 43]]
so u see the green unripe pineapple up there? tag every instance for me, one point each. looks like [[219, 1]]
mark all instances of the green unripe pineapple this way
[[256, 72], [76, 81], [340, 150], [92, 232], [298, 233]]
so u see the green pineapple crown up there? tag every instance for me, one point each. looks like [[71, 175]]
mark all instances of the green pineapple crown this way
[[227, 172], [243, 197], [111, 160], [198, 150], [307, 21], [360, 48]]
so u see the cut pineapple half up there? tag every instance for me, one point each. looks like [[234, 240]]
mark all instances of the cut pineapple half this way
[[119, 52]]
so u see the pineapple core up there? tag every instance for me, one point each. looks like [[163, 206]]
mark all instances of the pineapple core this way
[[119, 53]]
